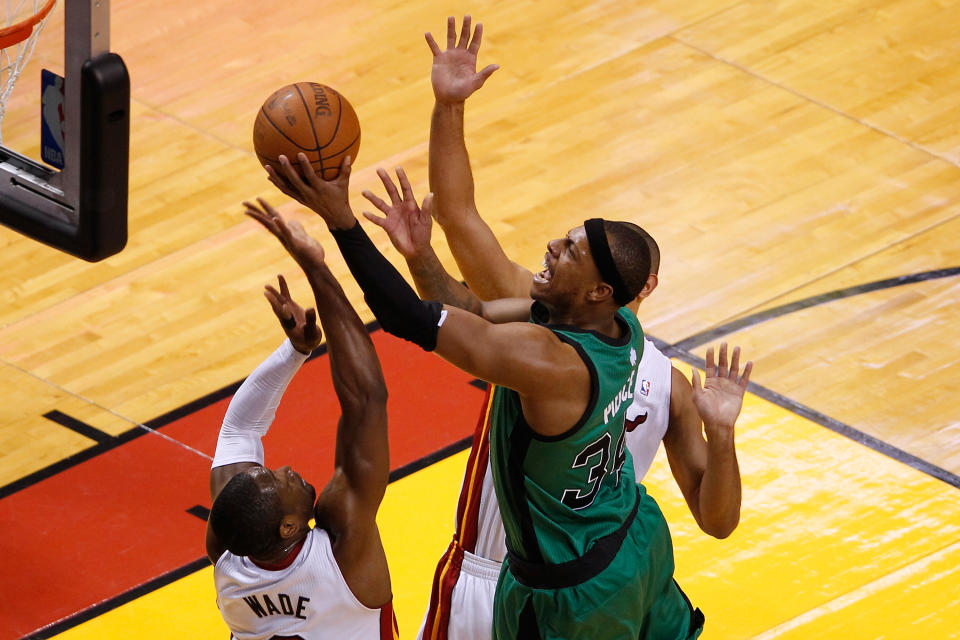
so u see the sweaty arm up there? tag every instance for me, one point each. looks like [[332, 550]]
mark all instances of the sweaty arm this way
[[706, 471], [347, 506], [485, 267]]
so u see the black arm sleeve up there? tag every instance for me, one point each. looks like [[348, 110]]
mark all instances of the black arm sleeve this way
[[393, 301]]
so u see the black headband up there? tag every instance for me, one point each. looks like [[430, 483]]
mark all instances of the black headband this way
[[600, 249]]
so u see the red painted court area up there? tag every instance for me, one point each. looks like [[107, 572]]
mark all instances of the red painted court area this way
[[120, 519]]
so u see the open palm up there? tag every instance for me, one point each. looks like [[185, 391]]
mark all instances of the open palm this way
[[406, 223], [720, 399], [454, 75]]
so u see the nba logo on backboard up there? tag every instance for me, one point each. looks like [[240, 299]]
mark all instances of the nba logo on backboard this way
[[51, 127], [644, 387]]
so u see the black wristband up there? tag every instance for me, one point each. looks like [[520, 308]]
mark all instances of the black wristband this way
[[393, 301]]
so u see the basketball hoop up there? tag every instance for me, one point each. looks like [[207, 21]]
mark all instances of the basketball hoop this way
[[23, 26]]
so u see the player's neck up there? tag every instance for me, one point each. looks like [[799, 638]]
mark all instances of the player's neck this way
[[282, 558], [599, 320]]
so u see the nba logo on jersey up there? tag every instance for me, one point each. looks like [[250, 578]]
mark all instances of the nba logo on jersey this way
[[644, 387]]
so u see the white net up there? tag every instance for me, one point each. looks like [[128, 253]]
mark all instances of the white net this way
[[23, 22]]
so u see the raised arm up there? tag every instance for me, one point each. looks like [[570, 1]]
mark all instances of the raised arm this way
[[485, 267], [348, 505], [706, 470], [252, 409]]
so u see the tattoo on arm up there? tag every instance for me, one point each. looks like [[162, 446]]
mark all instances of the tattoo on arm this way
[[434, 283]]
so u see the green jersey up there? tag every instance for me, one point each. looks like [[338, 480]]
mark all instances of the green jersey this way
[[560, 494]]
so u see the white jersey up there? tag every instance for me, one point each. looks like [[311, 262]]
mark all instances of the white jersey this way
[[308, 600], [649, 414], [480, 536]]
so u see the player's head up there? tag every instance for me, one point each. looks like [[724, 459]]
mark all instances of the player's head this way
[[260, 511], [601, 263]]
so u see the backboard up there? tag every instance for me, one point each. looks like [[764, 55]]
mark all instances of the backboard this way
[[82, 208]]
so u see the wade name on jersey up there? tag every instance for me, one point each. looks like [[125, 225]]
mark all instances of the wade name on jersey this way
[[263, 605]]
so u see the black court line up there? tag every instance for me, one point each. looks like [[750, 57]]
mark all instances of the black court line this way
[[79, 427], [106, 442], [823, 420], [431, 458], [108, 605], [710, 335]]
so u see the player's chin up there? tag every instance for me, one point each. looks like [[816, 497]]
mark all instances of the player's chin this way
[[540, 287]]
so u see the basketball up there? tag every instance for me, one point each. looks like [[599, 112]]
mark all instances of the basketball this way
[[310, 118]]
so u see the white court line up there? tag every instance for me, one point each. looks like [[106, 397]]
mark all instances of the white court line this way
[[860, 593]]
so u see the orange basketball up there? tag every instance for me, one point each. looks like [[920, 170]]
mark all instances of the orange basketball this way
[[310, 118]]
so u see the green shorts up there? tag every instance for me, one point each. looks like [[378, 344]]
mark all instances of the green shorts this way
[[635, 596]]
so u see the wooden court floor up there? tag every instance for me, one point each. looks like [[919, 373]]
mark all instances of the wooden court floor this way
[[798, 162]]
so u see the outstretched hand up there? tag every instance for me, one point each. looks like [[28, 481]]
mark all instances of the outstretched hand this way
[[407, 224], [291, 234], [299, 325], [454, 75], [720, 399], [328, 198]]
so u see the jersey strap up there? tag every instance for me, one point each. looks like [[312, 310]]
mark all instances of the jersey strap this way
[[573, 572]]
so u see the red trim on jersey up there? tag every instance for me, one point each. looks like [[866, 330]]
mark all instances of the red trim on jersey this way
[[441, 594], [468, 510], [389, 630], [468, 506]]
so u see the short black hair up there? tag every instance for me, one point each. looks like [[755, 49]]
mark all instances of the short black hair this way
[[651, 245], [631, 254], [246, 516]]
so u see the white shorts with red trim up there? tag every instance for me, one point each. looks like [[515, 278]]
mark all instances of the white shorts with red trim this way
[[470, 602]]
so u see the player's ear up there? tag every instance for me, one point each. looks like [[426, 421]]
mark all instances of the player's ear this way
[[600, 292], [649, 286], [289, 527]]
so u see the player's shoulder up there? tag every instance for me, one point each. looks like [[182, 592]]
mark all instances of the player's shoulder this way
[[652, 354]]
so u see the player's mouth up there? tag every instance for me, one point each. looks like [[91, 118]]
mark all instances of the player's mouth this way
[[546, 275]]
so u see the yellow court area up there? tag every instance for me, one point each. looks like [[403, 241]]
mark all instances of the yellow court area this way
[[798, 162], [877, 559]]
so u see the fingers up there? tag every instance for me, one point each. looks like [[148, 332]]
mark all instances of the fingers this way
[[279, 307], [464, 33], [486, 72], [735, 363], [376, 201], [291, 176], [269, 222], [284, 290], [722, 369], [451, 32], [426, 209], [434, 47], [279, 182], [307, 170], [346, 166], [389, 186], [377, 220], [711, 369], [405, 185], [696, 381], [310, 318], [477, 37], [745, 378]]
